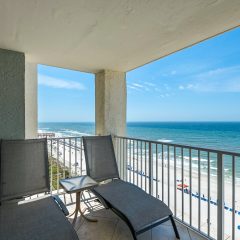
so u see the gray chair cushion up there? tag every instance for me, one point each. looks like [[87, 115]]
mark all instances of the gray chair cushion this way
[[23, 168], [140, 208], [40, 219], [100, 158]]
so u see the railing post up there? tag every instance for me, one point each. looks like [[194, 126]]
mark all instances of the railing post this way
[[125, 158], [51, 169], [150, 169], [220, 197]]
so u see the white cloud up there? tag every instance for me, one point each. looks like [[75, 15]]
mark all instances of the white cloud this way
[[216, 80], [219, 72], [230, 85], [166, 86], [59, 83], [191, 86], [138, 85], [157, 89], [150, 84], [166, 95], [134, 88]]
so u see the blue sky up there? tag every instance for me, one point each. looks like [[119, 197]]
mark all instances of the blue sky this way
[[200, 83], [65, 95]]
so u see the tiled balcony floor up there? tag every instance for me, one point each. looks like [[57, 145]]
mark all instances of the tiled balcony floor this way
[[111, 227]]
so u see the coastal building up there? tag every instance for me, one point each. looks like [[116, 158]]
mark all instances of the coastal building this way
[[106, 38]]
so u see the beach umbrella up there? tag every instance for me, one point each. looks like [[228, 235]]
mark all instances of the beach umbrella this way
[[182, 186]]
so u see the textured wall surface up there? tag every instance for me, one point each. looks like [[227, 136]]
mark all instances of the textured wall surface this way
[[110, 102], [31, 107], [119, 35], [12, 106]]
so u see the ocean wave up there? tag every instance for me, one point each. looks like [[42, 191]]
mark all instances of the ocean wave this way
[[63, 132], [201, 159], [58, 134], [165, 140], [74, 132], [44, 130], [225, 169], [41, 131]]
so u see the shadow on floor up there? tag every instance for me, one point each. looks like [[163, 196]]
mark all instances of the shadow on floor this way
[[111, 227]]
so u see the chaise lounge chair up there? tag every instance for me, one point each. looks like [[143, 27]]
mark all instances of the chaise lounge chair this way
[[139, 210], [24, 172]]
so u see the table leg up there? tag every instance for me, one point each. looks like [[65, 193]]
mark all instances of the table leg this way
[[78, 209], [82, 212]]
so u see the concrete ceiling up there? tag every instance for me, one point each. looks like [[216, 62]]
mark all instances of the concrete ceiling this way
[[119, 35]]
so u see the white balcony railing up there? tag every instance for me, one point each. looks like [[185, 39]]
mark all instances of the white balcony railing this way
[[200, 185]]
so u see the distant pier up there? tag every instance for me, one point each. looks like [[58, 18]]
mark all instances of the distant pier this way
[[46, 135]]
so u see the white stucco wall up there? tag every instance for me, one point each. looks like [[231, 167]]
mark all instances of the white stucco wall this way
[[31, 105], [18, 97], [110, 102]]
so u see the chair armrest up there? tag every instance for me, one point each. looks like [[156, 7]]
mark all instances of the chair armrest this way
[[61, 205]]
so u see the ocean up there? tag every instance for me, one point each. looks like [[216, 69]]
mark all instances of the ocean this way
[[214, 135]]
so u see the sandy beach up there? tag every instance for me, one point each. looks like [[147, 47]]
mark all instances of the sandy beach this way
[[185, 196]]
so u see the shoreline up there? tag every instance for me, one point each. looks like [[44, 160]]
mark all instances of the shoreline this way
[[213, 168]]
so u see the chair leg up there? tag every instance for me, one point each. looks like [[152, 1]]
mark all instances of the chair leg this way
[[134, 236], [174, 227]]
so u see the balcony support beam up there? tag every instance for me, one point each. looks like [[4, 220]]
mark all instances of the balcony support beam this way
[[110, 102], [18, 96]]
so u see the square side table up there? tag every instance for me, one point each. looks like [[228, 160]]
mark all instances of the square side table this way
[[78, 185]]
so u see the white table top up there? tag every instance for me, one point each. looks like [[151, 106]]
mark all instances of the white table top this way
[[77, 184]]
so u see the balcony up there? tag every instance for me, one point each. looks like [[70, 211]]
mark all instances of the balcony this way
[[190, 180], [108, 39], [111, 227]]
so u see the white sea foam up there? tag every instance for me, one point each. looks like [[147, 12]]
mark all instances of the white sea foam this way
[[74, 132], [58, 134], [41, 131], [64, 132], [165, 140], [44, 130], [196, 159]]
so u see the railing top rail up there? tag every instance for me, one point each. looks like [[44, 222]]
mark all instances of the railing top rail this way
[[59, 138], [235, 154]]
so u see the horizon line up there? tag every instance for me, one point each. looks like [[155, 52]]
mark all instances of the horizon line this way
[[157, 121]]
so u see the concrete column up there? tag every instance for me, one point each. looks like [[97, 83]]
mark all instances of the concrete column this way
[[18, 96], [31, 99], [110, 102]]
